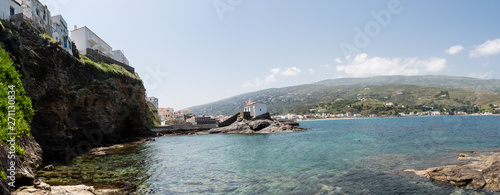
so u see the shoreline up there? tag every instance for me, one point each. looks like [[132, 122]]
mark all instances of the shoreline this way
[[76, 183], [98, 151], [349, 118], [476, 169]]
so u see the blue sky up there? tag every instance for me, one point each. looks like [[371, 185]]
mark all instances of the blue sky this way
[[191, 52]]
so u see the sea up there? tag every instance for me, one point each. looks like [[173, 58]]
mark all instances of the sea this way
[[351, 156], [346, 156]]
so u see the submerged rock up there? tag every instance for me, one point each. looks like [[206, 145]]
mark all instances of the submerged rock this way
[[482, 172]]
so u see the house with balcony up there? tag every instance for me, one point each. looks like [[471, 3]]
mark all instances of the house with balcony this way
[[38, 14], [119, 56], [92, 46], [60, 33], [85, 39], [8, 8]]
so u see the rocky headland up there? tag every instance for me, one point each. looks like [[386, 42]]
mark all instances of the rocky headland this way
[[480, 170], [78, 104], [260, 124]]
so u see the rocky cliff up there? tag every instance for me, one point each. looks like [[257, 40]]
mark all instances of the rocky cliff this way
[[78, 104]]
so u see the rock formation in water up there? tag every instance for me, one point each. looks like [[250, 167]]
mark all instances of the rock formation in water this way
[[482, 172], [77, 104], [261, 124]]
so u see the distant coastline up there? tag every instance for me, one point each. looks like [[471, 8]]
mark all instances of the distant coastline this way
[[347, 118]]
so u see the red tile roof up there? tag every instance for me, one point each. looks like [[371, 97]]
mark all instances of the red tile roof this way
[[253, 103]]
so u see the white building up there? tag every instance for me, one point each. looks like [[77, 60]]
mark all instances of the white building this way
[[38, 14], [153, 100], [435, 113], [85, 39], [60, 32], [255, 108], [119, 56], [9, 8]]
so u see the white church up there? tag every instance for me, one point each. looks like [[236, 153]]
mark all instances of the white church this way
[[255, 108]]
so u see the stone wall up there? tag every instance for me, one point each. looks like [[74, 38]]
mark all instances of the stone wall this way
[[229, 121]]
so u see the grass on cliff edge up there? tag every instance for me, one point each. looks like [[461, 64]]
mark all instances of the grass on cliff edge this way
[[112, 69], [23, 109]]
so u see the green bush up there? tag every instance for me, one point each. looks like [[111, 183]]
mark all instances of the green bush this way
[[3, 176], [111, 69], [10, 80], [51, 40]]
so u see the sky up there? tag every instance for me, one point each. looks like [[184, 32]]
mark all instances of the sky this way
[[192, 52]]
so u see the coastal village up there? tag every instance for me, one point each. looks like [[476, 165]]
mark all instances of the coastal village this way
[[95, 48], [169, 116], [67, 129]]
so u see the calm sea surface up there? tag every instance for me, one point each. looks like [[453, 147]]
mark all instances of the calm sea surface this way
[[358, 156]]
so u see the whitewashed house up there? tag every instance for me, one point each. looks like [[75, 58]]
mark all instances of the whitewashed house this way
[[119, 56], [60, 32], [38, 14], [9, 8], [255, 108], [85, 39]]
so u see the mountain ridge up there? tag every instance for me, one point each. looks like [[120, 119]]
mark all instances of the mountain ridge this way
[[280, 100]]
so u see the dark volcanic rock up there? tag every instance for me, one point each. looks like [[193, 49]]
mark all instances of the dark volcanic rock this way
[[77, 106], [261, 124]]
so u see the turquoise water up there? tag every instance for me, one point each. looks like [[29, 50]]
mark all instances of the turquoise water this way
[[358, 156]]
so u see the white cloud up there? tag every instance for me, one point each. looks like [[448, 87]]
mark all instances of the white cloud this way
[[270, 79], [275, 70], [362, 66], [454, 49], [326, 66], [490, 47], [292, 71], [311, 71], [481, 75], [258, 82], [338, 60]]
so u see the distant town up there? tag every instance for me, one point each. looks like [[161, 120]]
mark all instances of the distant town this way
[[170, 116]]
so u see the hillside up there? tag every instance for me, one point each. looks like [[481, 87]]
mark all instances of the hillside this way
[[466, 83], [417, 90]]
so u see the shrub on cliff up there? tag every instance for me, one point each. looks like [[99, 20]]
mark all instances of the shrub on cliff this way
[[10, 80], [111, 69]]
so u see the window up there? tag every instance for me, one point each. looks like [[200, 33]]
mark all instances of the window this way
[[37, 12], [12, 12]]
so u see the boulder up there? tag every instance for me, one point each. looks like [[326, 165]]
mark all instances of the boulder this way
[[483, 172], [258, 125], [56, 190]]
